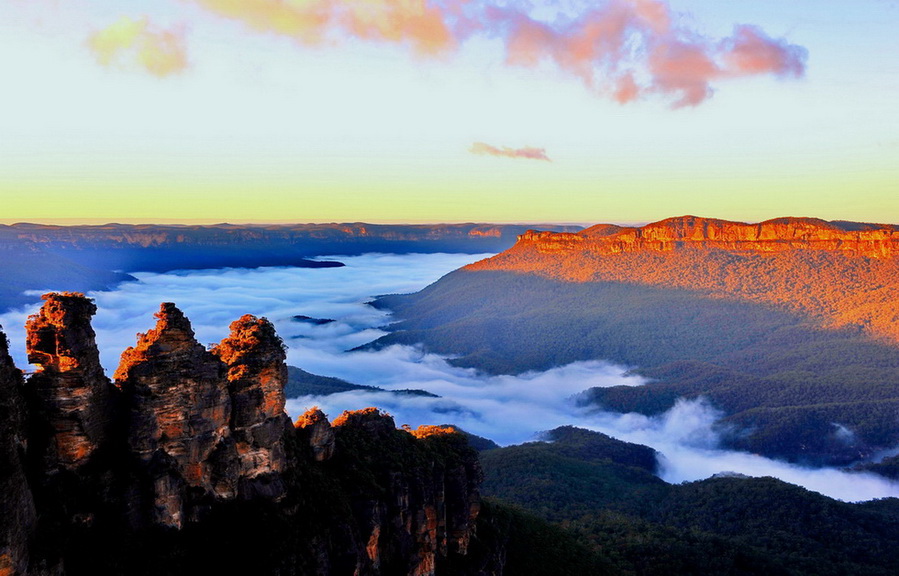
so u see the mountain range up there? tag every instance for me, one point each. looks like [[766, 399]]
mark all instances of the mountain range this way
[[185, 462], [95, 257], [789, 327]]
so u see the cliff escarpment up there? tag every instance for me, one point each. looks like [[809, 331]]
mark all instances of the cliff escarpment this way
[[777, 235], [789, 327], [842, 274], [187, 462]]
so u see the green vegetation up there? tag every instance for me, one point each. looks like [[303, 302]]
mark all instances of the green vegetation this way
[[725, 525], [302, 383], [785, 384]]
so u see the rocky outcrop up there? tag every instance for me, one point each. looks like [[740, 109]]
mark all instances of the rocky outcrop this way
[[18, 518], [778, 235], [180, 415], [71, 391], [313, 426], [257, 374], [192, 447], [422, 503]]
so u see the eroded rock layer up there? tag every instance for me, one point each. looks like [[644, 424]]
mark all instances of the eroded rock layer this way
[[257, 374], [180, 414], [70, 386], [843, 274], [777, 235], [192, 448]]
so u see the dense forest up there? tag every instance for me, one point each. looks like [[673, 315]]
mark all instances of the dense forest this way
[[599, 491], [788, 387]]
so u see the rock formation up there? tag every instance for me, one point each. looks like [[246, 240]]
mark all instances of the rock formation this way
[[314, 425], [778, 235], [192, 447], [257, 374], [842, 274], [180, 412], [71, 390], [425, 507], [17, 512]]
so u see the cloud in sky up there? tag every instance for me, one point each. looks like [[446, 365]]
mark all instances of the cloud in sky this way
[[424, 26], [527, 152], [621, 49], [138, 43]]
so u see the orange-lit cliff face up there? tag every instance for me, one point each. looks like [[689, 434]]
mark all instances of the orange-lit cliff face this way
[[214, 420], [841, 273], [71, 388], [778, 235]]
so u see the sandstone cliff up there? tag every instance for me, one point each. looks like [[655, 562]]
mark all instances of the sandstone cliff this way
[[191, 449], [842, 274], [777, 235], [72, 392]]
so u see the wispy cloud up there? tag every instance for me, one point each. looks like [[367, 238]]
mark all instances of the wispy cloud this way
[[137, 43], [527, 152], [424, 26], [621, 49]]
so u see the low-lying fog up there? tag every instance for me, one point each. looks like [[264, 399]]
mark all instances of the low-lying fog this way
[[507, 409]]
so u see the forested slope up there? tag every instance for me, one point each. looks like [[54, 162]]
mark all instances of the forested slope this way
[[755, 332], [725, 525]]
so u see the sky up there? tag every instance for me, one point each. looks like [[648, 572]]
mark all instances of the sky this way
[[448, 110], [508, 409]]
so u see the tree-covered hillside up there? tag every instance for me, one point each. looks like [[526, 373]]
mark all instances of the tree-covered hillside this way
[[637, 524], [788, 387]]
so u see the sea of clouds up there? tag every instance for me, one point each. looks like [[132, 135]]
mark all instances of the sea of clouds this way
[[506, 409]]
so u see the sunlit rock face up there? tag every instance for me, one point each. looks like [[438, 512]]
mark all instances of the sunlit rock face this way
[[791, 262], [71, 390], [179, 415], [313, 427], [257, 374], [17, 511], [781, 234]]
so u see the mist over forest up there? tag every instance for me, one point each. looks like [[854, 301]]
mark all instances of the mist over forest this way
[[508, 409]]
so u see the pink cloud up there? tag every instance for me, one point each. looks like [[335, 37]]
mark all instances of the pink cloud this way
[[527, 152], [751, 51], [620, 49]]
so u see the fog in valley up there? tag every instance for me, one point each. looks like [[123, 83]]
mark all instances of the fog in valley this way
[[506, 409]]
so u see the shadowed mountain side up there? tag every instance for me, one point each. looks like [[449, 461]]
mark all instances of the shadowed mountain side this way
[[302, 383], [722, 525], [157, 248], [27, 266], [781, 379]]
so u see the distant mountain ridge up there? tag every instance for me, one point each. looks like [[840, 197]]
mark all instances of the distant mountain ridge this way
[[777, 235], [152, 247], [80, 258]]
